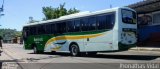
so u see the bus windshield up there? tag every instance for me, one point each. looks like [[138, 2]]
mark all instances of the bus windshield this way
[[128, 16]]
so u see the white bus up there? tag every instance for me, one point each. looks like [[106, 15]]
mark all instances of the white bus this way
[[106, 30]]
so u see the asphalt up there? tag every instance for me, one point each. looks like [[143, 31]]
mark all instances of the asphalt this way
[[111, 60]]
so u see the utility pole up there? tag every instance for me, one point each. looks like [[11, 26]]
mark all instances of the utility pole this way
[[2, 9]]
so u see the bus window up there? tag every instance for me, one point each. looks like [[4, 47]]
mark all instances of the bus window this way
[[110, 21], [33, 30], [101, 22], [53, 29], [61, 27], [128, 16], [41, 29], [50, 29], [84, 24], [77, 25], [25, 33], [92, 23], [70, 25]]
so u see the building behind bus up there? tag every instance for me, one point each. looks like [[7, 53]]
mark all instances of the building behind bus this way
[[148, 22]]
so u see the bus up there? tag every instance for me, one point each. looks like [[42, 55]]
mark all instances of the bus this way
[[86, 32]]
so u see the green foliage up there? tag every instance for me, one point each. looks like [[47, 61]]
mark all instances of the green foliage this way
[[72, 11], [8, 34], [52, 13], [18, 33]]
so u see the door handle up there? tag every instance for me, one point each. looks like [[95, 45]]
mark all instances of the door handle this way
[[87, 39]]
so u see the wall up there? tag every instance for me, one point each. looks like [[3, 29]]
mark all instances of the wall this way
[[149, 32]]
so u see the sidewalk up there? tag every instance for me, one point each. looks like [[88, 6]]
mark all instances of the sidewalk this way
[[5, 58], [145, 49]]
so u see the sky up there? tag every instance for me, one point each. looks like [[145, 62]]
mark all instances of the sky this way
[[17, 12]]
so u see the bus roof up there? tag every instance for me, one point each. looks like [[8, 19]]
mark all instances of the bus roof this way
[[76, 15]]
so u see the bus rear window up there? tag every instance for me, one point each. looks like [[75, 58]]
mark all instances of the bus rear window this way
[[128, 16]]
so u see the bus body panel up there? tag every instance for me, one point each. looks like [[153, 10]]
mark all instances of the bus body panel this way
[[62, 43], [99, 43]]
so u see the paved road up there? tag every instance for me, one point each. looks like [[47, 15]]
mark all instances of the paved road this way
[[14, 54]]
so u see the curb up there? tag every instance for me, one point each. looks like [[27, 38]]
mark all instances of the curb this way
[[145, 49]]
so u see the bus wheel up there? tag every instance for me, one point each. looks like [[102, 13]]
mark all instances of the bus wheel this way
[[74, 50], [36, 51], [53, 52]]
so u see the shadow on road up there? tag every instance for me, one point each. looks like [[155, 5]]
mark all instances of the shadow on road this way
[[55, 53], [109, 56], [125, 57], [0, 65]]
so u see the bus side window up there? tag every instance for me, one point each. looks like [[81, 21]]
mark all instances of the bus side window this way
[[44, 29], [101, 22], [33, 30], [77, 25], [41, 29], [48, 29], [92, 23], [110, 21], [70, 26], [61, 27], [53, 29], [84, 24], [25, 33], [58, 28], [28, 31]]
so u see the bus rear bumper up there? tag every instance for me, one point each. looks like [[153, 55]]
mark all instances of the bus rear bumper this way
[[124, 47]]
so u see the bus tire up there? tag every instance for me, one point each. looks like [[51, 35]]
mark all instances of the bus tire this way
[[36, 51], [74, 50], [53, 52]]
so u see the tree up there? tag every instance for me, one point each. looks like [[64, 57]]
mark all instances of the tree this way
[[62, 10], [52, 13], [72, 11], [8, 34], [49, 12]]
